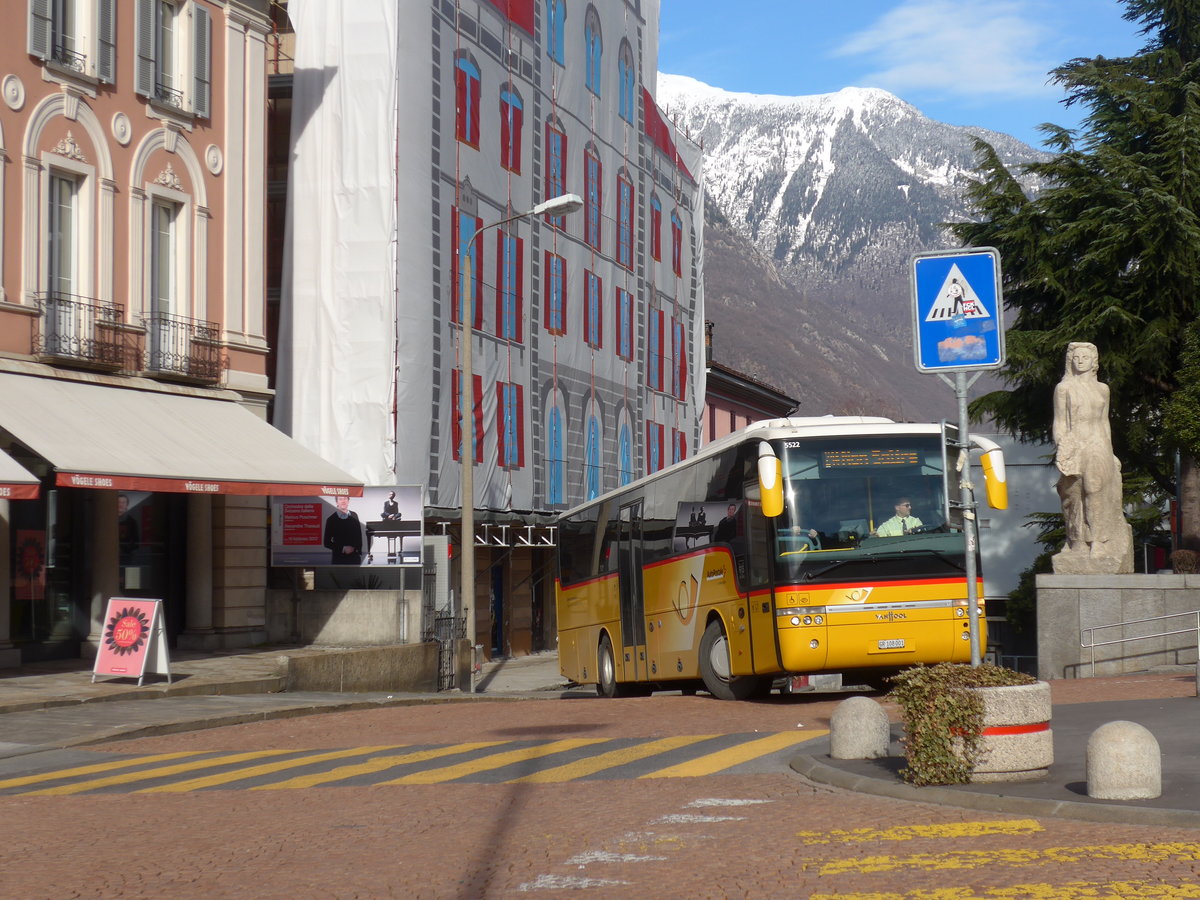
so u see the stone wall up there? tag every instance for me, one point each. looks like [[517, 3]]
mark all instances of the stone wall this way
[[400, 669], [1066, 604], [349, 618]]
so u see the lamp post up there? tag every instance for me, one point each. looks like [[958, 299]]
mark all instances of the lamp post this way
[[555, 206]]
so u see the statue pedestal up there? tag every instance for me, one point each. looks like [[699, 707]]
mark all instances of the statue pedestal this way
[[1070, 562]]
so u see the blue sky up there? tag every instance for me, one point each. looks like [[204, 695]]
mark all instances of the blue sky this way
[[964, 62]]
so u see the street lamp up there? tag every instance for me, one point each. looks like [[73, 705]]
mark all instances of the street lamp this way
[[555, 206]]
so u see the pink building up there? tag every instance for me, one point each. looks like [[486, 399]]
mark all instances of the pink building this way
[[134, 454]]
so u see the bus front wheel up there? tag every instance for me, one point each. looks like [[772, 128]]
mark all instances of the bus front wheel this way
[[606, 670], [715, 668]]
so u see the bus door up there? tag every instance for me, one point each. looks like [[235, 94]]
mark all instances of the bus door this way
[[629, 577], [756, 586]]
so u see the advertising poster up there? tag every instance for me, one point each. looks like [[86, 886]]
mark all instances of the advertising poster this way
[[383, 527], [134, 640]]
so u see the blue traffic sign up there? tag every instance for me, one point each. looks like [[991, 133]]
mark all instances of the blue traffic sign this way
[[958, 310]]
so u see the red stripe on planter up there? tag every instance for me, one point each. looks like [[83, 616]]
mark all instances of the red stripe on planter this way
[[1015, 729]]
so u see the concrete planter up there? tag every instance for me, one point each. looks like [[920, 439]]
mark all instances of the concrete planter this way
[[1017, 742]]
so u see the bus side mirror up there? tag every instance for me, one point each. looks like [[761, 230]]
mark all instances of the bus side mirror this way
[[770, 480], [992, 460]]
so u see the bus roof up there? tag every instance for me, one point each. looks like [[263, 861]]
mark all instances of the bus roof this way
[[777, 429]]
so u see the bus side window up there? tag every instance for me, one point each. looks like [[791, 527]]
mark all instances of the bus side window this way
[[753, 569]]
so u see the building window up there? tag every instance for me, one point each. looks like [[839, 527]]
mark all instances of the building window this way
[[466, 100], [556, 19], [592, 197], [174, 54], [679, 357], [62, 230], [654, 447], [624, 454], [627, 79], [676, 243], [624, 222], [555, 316], [624, 319], [511, 113], [654, 351], [510, 306], [592, 457], [556, 167], [465, 233], [75, 35], [556, 457], [655, 226], [456, 415], [510, 400], [593, 48], [678, 446], [593, 287]]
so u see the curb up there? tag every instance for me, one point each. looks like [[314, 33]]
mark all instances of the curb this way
[[821, 772]]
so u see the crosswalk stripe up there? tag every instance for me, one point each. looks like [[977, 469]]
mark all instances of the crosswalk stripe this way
[[496, 761], [1071, 890], [376, 764], [941, 831], [977, 859], [206, 781], [79, 771], [146, 774], [725, 759], [593, 764]]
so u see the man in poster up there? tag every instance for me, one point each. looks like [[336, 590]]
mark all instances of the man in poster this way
[[344, 535]]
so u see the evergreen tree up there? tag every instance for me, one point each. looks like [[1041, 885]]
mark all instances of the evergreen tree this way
[[1107, 248]]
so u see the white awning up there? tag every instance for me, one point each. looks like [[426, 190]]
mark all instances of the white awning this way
[[16, 483], [99, 436]]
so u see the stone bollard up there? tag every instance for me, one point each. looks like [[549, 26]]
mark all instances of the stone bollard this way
[[859, 729], [1123, 763]]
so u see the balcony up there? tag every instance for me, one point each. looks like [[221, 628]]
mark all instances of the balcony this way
[[183, 349], [81, 331], [69, 59]]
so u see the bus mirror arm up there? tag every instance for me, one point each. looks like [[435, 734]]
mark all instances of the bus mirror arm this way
[[992, 460], [770, 480]]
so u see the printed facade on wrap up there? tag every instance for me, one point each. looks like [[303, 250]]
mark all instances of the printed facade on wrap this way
[[588, 329]]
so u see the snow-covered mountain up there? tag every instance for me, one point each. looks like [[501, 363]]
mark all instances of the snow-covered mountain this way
[[836, 191]]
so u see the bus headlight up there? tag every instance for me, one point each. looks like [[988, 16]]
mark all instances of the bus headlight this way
[[808, 620], [819, 620], [795, 620], [966, 635], [814, 644], [960, 612]]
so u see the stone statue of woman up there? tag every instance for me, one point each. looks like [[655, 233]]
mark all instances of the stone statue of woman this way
[[1099, 540]]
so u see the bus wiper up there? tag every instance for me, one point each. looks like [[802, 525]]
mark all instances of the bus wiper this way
[[878, 557]]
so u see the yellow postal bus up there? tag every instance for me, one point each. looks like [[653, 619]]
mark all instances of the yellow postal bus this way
[[785, 548]]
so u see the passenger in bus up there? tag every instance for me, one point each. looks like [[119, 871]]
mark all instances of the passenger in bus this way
[[903, 522]]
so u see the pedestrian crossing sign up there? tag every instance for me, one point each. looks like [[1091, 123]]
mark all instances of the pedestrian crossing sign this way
[[957, 310]]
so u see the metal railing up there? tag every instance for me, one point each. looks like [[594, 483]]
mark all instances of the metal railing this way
[[81, 330], [168, 95], [183, 348], [69, 59], [1088, 641]]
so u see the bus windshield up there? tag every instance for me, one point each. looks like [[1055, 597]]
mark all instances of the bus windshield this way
[[872, 508]]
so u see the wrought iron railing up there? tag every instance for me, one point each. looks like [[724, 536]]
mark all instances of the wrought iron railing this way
[[81, 330], [69, 59], [183, 348], [168, 95]]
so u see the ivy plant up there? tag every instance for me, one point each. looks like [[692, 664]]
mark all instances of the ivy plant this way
[[943, 718]]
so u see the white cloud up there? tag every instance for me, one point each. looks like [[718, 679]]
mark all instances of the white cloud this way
[[955, 48]]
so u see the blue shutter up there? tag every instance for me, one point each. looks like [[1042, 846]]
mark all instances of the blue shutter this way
[[202, 62], [41, 29], [106, 65], [144, 71]]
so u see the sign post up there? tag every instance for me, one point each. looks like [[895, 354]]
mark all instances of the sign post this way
[[958, 327], [134, 640]]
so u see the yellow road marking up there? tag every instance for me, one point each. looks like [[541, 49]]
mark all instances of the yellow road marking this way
[[977, 859], [195, 784], [724, 759], [594, 764], [496, 761], [909, 832], [161, 772], [1073, 890], [94, 768], [375, 764]]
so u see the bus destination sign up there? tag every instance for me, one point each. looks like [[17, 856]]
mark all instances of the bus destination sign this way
[[870, 458]]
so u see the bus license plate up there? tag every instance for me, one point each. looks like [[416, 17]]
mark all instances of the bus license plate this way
[[892, 644]]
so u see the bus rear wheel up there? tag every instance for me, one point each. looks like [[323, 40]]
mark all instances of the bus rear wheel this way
[[715, 668], [606, 670]]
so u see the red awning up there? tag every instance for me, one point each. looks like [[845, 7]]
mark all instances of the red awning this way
[[101, 436]]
